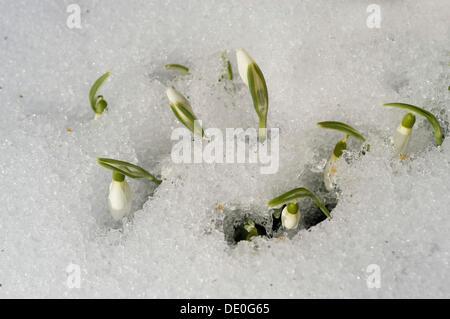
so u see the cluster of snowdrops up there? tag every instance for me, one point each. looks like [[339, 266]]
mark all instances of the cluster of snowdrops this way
[[120, 197]]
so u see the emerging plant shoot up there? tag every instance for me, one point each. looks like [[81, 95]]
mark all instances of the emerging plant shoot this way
[[98, 103], [329, 173], [430, 117], [402, 135], [120, 197], [252, 76], [183, 111], [290, 216]]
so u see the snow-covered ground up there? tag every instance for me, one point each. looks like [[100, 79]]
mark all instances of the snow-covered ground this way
[[321, 62]]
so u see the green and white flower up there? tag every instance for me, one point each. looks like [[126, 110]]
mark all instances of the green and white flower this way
[[183, 111], [119, 198], [244, 61], [402, 135], [290, 216], [330, 170], [252, 76]]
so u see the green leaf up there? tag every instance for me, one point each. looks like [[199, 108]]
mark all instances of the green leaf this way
[[93, 92], [230, 70], [342, 127], [258, 90], [228, 66], [295, 194], [127, 169], [177, 67], [186, 117], [430, 117]]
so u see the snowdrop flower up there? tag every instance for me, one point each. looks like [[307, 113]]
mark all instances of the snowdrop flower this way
[[399, 141], [119, 199], [292, 209], [176, 97], [183, 111], [243, 61], [252, 76], [330, 170], [402, 135], [290, 216], [98, 103]]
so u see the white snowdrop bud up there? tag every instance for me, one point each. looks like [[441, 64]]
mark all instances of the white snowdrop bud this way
[[243, 61], [254, 79], [176, 97], [290, 216], [119, 199], [401, 139], [402, 135], [183, 111], [292, 208]]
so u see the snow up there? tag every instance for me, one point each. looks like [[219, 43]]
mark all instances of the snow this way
[[321, 62]]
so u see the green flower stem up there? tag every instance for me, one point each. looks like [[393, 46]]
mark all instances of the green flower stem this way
[[118, 177], [263, 129], [294, 195], [430, 117], [127, 169], [177, 67]]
